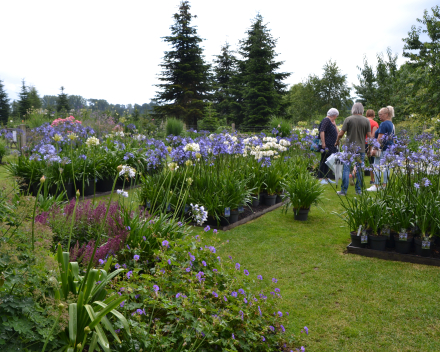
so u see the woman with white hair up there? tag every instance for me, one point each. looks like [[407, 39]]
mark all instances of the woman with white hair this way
[[384, 135], [328, 132]]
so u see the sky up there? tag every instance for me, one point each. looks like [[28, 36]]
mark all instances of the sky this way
[[112, 50]]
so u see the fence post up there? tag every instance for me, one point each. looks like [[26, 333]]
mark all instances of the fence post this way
[[23, 136], [233, 127]]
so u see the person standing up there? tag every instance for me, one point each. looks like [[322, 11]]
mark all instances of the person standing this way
[[374, 126], [357, 127], [328, 132], [384, 135]]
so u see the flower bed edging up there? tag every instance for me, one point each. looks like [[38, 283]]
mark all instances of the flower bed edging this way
[[394, 256]]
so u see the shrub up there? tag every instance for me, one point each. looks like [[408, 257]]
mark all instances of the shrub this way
[[174, 127], [280, 126]]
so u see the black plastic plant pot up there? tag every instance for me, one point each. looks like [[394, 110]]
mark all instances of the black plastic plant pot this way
[[421, 251], [279, 199], [270, 199], [403, 247], [104, 185], [356, 240], [378, 243], [261, 198], [301, 214], [234, 216], [88, 188]]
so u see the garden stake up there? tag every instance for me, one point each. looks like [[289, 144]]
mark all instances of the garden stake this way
[[35, 207]]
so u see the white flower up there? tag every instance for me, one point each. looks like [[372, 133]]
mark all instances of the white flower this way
[[92, 141], [199, 213], [192, 147], [127, 171], [122, 193], [173, 166], [119, 134]]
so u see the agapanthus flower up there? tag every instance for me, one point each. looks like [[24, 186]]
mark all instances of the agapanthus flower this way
[[126, 170], [92, 141], [122, 193]]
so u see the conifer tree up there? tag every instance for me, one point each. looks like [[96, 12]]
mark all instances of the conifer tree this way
[[34, 99], [185, 74], [62, 102], [225, 70], [4, 105], [262, 87], [23, 103]]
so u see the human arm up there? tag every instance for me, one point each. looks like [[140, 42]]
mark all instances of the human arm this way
[[340, 135], [322, 136]]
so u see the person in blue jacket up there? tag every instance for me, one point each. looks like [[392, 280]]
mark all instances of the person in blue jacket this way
[[385, 135]]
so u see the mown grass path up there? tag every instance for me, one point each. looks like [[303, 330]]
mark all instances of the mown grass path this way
[[348, 302]]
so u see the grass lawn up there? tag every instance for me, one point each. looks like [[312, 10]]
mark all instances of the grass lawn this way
[[348, 302]]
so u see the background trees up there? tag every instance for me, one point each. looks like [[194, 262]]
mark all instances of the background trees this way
[[185, 75], [62, 102], [4, 105]]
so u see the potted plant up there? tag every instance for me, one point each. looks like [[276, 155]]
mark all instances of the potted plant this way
[[301, 193], [374, 209], [402, 222], [273, 181]]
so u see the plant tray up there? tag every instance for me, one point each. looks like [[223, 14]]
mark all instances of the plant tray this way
[[390, 254]]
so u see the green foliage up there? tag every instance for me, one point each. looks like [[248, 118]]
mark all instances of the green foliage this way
[[283, 126], [210, 120], [174, 127], [23, 104], [303, 191], [189, 303], [301, 102], [186, 75], [259, 86], [34, 99], [3, 149], [62, 101], [424, 59], [4, 105]]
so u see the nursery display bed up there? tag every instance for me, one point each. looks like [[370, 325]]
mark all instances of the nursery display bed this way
[[391, 254]]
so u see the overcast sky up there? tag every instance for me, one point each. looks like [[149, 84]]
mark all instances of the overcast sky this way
[[112, 49]]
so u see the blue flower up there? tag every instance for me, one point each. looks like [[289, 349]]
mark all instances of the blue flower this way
[[274, 280], [129, 274], [246, 272], [165, 243], [241, 291], [259, 277], [155, 288], [203, 263], [234, 294], [136, 257], [207, 228], [214, 294], [237, 266]]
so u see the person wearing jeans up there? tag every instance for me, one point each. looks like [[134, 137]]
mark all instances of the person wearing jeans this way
[[357, 127], [359, 176]]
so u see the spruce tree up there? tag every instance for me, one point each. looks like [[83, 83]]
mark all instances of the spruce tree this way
[[62, 102], [24, 103], [34, 99], [225, 70], [4, 105], [185, 74], [262, 87]]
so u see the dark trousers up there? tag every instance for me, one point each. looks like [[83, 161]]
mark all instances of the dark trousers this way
[[324, 171]]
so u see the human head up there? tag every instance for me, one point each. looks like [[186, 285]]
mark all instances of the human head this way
[[385, 114], [370, 113], [357, 109], [391, 111], [333, 113]]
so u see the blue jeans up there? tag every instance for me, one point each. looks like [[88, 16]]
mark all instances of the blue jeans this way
[[359, 176], [378, 171]]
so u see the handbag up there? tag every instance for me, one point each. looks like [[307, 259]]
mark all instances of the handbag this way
[[316, 145], [376, 153]]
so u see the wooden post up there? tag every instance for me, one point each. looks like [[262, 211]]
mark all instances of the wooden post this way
[[233, 127], [23, 136], [184, 126]]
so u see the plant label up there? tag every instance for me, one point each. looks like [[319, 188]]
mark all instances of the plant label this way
[[426, 244], [359, 230], [385, 231], [227, 212], [364, 239], [148, 204], [168, 207], [403, 236], [186, 208], [240, 209]]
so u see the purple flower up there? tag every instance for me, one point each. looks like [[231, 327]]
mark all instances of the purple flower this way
[[169, 261], [144, 238], [233, 336], [136, 257], [180, 224], [129, 274], [188, 270], [416, 185], [303, 349], [214, 294], [178, 294], [259, 277], [219, 259], [280, 314], [207, 228], [274, 280], [234, 294], [128, 246], [277, 290], [140, 311], [237, 266], [137, 296], [122, 304], [262, 337], [230, 257], [287, 313], [245, 300], [165, 243], [128, 228], [259, 310], [203, 263], [282, 328], [306, 329], [214, 270], [155, 288], [224, 297], [246, 272], [215, 231], [241, 291], [122, 289], [271, 328], [101, 262]]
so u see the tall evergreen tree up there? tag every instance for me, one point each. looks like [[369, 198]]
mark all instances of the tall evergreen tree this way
[[262, 87], [24, 103], [34, 99], [185, 74], [225, 70], [4, 105], [63, 101]]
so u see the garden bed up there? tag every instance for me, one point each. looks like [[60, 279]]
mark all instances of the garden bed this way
[[391, 254]]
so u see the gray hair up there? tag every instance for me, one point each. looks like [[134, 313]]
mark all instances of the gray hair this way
[[391, 111], [357, 109], [333, 112]]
